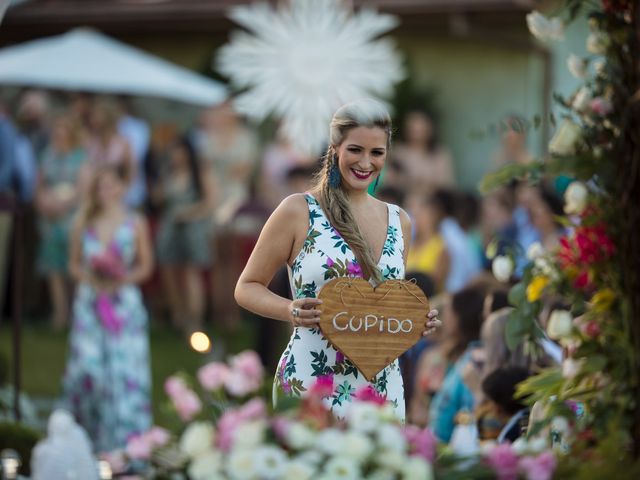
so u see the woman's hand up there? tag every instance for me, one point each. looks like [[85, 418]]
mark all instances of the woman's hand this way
[[303, 314], [433, 322]]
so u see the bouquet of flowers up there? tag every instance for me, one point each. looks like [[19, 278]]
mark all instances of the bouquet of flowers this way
[[108, 266]]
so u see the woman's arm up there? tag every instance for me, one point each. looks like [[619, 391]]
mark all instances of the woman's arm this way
[[280, 240], [203, 208], [143, 266], [77, 269]]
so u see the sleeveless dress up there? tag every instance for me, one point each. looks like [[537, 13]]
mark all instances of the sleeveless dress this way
[[324, 256], [107, 382]]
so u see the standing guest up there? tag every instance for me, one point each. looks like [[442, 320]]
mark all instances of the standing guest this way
[[545, 208], [32, 117], [302, 233], [513, 143], [107, 381], [137, 133], [185, 196], [426, 163], [429, 252], [57, 197]]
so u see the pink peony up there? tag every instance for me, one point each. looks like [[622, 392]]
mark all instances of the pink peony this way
[[281, 426], [187, 404], [213, 375], [158, 436], [246, 374], [504, 461], [422, 442], [139, 447], [369, 394], [538, 468], [174, 386], [601, 106], [322, 387], [254, 409]]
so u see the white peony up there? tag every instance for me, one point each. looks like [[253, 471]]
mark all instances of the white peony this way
[[582, 100], [312, 457], [598, 43], [363, 416], [271, 462], [417, 467], [390, 437], [502, 268], [533, 446], [535, 251], [520, 446], [206, 466], [560, 425], [299, 470], [330, 441], [577, 66], [560, 324], [382, 474], [197, 439], [538, 445], [343, 468], [241, 465], [249, 434], [357, 446], [575, 198], [391, 459], [300, 436], [543, 28], [566, 138]]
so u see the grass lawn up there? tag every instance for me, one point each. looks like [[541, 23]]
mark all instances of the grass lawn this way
[[44, 355]]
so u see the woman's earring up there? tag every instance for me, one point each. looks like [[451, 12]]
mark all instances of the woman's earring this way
[[334, 172]]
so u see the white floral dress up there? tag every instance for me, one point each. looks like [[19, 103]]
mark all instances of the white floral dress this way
[[308, 355]]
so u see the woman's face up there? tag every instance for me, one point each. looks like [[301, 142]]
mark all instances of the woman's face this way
[[178, 157], [424, 215], [110, 189], [61, 136], [418, 127], [361, 156]]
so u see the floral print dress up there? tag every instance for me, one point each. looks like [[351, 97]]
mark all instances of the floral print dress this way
[[107, 381], [324, 256]]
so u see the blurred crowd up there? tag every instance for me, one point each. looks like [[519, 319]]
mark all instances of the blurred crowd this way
[[206, 193]]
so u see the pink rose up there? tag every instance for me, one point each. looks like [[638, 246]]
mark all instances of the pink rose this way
[[246, 374], [187, 404], [504, 461], [538, 468], [281, 426], [253, 409], [591, 329], [231, 419], [213, 375], [369, 394], [422, 442], [158, 436], [139, 447], [174, 386], [601, 106]]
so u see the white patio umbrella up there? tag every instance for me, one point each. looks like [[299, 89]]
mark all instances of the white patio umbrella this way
[[85, 60]]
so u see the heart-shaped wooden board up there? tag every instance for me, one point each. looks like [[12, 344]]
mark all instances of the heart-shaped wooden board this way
[[372, 327]]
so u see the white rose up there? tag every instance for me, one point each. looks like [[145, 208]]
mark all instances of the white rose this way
[[544, 28], [300, 437], [299, 470], [342, 468], [382, 474], [575, 197], [565, 139], [241, 465], [198, 438], [362, 416], [357, 446], [538, 445], [502, 268], [582, 100], [330, 441], [206, 466], [560, 425], [249, 434], [391, 459], [535, 251], [390, 437], [560, 324], [417, 467], [311, 457], [271, 462], [577, 66], [571, 367], [598, 43], [520, 446]]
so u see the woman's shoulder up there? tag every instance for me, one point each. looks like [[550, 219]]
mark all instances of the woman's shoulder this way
[[294, 208]]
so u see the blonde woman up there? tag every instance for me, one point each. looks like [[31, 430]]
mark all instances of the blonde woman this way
[[335, 230], [107, 380]]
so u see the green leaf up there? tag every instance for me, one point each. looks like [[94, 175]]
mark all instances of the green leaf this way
[[517, 294], [516, 330]]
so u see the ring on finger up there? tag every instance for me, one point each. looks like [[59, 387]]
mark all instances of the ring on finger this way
[[295, 312]]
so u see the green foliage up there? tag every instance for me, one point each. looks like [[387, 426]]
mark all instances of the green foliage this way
[[21, 439]]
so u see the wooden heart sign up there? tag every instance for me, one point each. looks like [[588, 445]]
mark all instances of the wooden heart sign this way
[[372, 326]]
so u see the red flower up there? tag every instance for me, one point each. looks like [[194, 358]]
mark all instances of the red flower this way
[[582, 281]]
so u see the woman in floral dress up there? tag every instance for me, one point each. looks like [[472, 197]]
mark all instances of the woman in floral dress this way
[[107, 380], [336, 230]]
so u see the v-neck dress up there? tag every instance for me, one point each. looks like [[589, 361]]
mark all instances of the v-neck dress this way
[[308, 355], [107, 382]]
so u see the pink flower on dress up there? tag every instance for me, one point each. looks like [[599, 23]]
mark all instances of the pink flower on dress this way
[[353, 269], [504, 461], [369, 394], [330, 262], [422, 442], [339, 357], [538, 468], [322, 387], [213, 375]]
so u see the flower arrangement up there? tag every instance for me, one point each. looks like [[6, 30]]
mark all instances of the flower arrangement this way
[[228, 432], [109, 267], [595, 271]]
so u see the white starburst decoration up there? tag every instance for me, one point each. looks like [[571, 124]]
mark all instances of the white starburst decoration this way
[[302, 61]]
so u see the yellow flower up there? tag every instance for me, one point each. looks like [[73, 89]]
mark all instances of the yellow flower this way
[[603, 299], [536, 287]]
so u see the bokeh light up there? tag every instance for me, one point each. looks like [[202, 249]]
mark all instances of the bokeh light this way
[[200, 342]]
